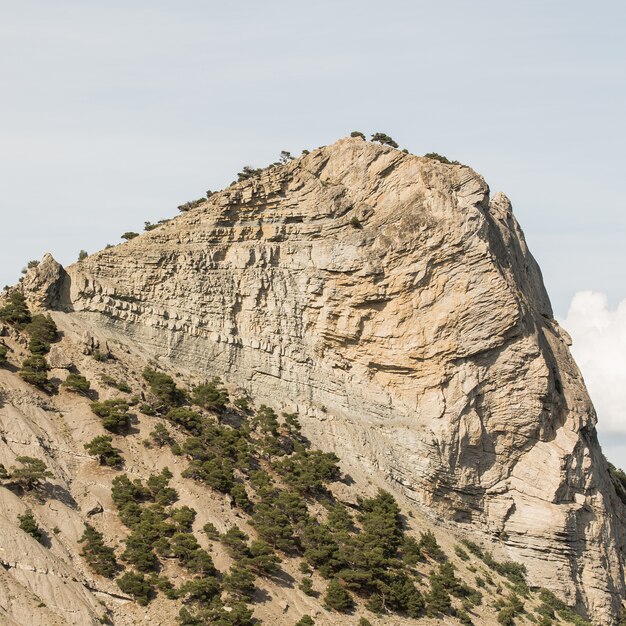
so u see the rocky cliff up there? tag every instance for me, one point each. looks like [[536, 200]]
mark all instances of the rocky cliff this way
[[394, 304]]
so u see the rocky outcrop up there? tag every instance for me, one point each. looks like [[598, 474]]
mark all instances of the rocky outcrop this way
[[396, 306]]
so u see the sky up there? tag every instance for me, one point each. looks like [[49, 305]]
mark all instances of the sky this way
[[113, 113]]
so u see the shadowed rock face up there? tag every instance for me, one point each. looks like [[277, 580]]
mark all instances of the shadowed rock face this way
[[398, 308]]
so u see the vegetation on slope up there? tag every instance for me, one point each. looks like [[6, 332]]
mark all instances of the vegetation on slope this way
[[283, 489]]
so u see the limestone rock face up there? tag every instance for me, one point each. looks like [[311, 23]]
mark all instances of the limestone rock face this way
[[397, 307]]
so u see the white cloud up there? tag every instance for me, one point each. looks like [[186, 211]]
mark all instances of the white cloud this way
[[599, 347]]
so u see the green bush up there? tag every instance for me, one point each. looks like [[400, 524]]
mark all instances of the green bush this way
[[138, 586], [82, 255], [461, 553], [239, 582], [337, 598], [3, 354], [31, 474], [188, 419], [107, 455], [76, 383], [564, 611], [438, 598], [114, 414], [201, 590], [262, 559], [306, 586], [384, 139], [356, 133], [43, 331], [210, 531], [210, 396], [139, 549], [15, 311], [35, 370], [506, 616], [442, 159], [99, 556], [128, 235], [428, 545], [474, 548], [248, 172], [305, 620], [192, 204], [164, 388], [124, 492], [28, 524]]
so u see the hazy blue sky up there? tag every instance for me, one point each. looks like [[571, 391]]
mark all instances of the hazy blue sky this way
[[113, 113]]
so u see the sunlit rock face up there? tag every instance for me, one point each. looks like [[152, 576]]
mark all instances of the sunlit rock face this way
[[395, 304]]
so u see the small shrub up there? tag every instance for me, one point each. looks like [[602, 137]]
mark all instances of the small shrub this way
[[243, 404], [356, 133], [128, 235], [210, 531], [114, 414], [306, 586], [461, 553], [464, 617], [82, 255], [355, 222], [163, 387], [384, 139], [305, 620], [438, 599], [429, 546], [76, 383], [101, 447], [248, 172], [28, 524], [474, 548], [192, 204], [442, 159], [161, 436], [35, 370], [506, 616], [3, 354]]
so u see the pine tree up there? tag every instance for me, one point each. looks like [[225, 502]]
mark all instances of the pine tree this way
[[114, 414], [240, 582], [99, 556], [138, 586], [338, 598], [384, 139], [438, 598], [31, 474], [15, 311], [34, 371], [107, 455], [210, 396]]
